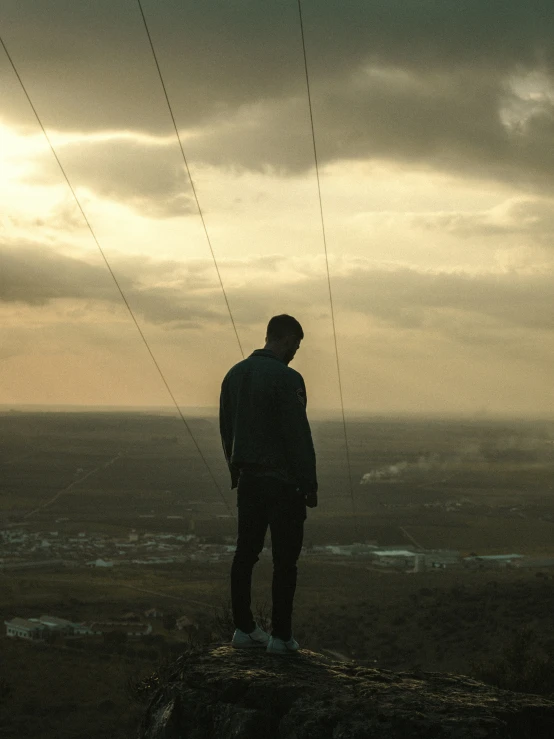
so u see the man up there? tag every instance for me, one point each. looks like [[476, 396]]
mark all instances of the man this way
[[268, 446]]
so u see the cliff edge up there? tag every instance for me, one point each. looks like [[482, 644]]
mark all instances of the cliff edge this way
[[217, 692]]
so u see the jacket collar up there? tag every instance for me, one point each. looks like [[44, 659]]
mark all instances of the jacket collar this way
[[266, 353]]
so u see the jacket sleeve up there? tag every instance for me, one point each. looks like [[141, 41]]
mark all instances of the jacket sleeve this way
[[293, 426], [226, 432]]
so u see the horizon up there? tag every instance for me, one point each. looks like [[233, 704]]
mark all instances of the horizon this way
[[315, 415]]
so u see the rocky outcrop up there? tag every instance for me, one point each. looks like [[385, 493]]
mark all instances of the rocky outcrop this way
[[217, 692]]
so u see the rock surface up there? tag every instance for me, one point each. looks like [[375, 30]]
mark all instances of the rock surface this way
[[217, 692]]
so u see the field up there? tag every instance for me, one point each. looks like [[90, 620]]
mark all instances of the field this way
[[482, 487], [485, 487]]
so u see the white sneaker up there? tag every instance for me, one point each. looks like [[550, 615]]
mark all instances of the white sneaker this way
[[255, 639], [279, 646]]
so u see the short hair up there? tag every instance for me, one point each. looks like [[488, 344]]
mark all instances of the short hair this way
[[284, 325]]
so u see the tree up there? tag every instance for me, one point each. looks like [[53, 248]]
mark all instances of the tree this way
[[52, 637], [523, 665], [115, 638], [5, 690], [169, 621]]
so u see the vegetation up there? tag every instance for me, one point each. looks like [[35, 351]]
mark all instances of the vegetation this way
[[496, 626], [525, 664]]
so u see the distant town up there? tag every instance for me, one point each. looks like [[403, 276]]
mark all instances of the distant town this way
[[24, 550]]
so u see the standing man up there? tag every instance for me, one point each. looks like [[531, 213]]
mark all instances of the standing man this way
[[268, 446]]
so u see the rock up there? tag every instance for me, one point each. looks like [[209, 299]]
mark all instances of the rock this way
[[217, 692]]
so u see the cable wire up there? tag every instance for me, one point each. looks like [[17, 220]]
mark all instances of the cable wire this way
[[110, 270], [187, 167], [326, 258]]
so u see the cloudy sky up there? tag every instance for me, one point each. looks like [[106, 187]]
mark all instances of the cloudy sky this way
[[434, 124]]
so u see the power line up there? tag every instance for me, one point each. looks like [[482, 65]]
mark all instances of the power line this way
[[187, 168], [110, 269], [326, 258]]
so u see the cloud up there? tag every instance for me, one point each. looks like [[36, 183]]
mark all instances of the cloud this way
[[218, 56], [516, 216], [409, 339], [172, 294], [449, 301], [424, 84], [488, 309], [33, 275], [63, 216], [145, 173]]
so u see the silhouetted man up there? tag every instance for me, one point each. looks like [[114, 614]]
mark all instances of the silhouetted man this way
[[268, 446]]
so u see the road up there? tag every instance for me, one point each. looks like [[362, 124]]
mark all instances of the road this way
[[72, 485], [166, 595], [410, 537], [119, 584]]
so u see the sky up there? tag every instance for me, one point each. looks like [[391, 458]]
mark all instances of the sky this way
[[434, 127]]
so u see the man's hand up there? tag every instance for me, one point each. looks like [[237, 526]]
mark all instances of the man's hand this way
[[235, 474], [310, 495]]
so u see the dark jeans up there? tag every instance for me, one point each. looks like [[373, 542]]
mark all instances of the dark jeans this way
[[264, 501]]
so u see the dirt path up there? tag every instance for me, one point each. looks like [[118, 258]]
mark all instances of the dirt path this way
[[72, 485], [167, 595], [410, 537]]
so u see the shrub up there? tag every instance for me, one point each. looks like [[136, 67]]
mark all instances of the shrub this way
[[522, 666]]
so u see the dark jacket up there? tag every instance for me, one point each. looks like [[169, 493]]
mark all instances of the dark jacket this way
[[263, 423]]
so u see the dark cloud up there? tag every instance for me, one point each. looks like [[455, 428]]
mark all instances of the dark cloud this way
[[168, 293], [31, 274], [218, 56], [436, 120], [472, 309], [234, 72], [36, 276], [147, 174], [411, 299]]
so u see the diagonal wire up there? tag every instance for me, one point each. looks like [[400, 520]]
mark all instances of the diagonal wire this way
[[187, 167], [110, 269], [326, 258]]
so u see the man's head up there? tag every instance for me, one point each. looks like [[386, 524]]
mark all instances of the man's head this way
[[284, 335]]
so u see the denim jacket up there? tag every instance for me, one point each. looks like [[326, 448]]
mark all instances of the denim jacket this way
[[263, 423]]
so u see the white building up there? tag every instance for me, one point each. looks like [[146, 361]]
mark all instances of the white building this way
[[36, 628], [183, 622], [394, 557], [130, 629], [492, 560], [153, 613], [24, 628], [56, 624], [100, 563], [81, 630], [441, 558], [534, 562]]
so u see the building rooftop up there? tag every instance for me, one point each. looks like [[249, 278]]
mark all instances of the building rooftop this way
[[24, 623], [55, 621], [495, 556]]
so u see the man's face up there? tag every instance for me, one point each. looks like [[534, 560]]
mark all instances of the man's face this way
[[293, 344]]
